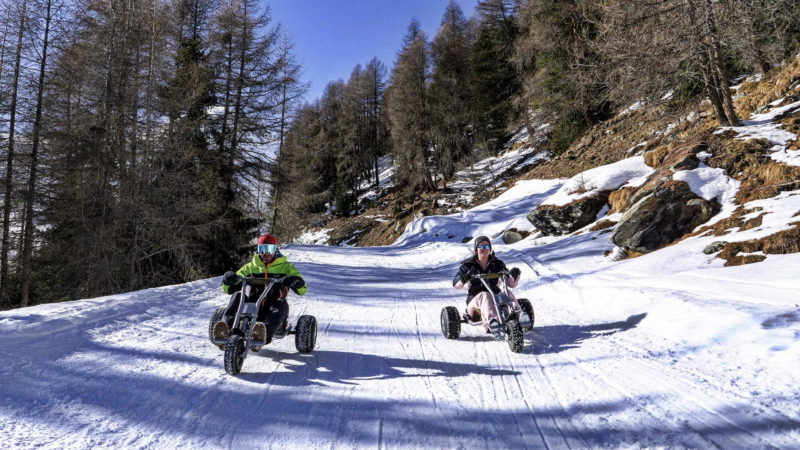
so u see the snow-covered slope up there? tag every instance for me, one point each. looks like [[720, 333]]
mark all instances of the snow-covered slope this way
[[669, 349]]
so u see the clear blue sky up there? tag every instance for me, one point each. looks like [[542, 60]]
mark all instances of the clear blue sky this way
[[332, 36]]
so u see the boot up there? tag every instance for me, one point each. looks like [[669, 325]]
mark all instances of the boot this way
[[221, 332], [474, 317], [525, 321], [259, 334], [496, 329]]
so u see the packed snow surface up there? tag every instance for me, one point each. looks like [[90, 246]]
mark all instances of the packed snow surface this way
[[670, 349]]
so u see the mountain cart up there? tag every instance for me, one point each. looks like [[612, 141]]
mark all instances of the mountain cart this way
[[240, 337], [513, 325]]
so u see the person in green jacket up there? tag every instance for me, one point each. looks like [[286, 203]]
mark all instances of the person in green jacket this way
[[267, 262]]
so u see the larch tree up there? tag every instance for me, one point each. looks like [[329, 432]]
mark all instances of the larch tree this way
[[493, 78], [450, 95], [409, 112], [8, 183], [652, 46]]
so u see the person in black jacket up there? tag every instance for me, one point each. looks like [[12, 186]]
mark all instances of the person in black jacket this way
[[479, 304]]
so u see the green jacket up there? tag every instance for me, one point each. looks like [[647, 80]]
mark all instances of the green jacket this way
[[256, 268]]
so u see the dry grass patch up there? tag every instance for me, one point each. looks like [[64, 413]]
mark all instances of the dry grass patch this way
[[781, 243], [768, 181], [655, 157], [610, 141], [737, 156], [602, 225], [791, 123], [749, 162], [774, 86], [725, 226], [618, 200]]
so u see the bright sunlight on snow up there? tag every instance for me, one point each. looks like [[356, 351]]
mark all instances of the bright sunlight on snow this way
[[670, 349]]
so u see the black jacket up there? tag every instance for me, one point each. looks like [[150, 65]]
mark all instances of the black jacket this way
[[472, 267]]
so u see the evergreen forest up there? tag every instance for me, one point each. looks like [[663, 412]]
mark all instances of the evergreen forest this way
[[147, 142]]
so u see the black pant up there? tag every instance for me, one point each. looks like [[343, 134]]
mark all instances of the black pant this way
[[273, 311]]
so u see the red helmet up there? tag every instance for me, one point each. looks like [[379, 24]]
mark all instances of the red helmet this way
[[267, 239], [267, 245]]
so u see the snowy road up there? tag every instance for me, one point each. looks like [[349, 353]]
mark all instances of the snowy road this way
[[670, 349], [137, 371]]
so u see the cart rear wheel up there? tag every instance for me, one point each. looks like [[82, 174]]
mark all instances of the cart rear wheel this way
[[215, 317]]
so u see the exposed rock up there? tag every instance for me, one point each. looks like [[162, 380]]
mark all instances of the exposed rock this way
[[681, 157], [685, 156], [558, 220], [663, 215], [510, 237], [714, 247], [654, 181]]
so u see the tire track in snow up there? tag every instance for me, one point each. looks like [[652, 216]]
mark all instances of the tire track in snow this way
[[691, 370], [654, 377], [532, 263]]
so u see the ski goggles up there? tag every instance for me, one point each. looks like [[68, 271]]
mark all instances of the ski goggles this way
[[484, 246], [264, 249]]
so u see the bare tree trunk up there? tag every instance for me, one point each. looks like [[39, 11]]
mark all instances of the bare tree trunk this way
[[150, 86], [239, 86], [27, 247], [374, 134], [9, 181], [746, 13], [3, 46], [275, 185], [719, 67], [709, 76], [226, 109]]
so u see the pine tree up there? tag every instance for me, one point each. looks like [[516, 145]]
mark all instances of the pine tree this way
[[409, 113], [493, 77], [563, 76], [451, 116]]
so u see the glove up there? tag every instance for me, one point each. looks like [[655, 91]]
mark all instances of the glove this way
[[230, 278], [515, 272], [464, 277], [294, 282]]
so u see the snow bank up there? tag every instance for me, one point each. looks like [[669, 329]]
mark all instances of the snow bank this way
[[710, 184], [490, 219], [604, 178], [319, 237]]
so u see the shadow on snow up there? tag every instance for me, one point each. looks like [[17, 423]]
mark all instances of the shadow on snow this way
[[557, 338]]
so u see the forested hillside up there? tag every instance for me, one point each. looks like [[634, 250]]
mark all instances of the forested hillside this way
[[587, 80], [135, 137], [147, 141]]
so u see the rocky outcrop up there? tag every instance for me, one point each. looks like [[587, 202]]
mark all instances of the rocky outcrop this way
[[662, 213], [682, 157], [512, 236], [558, 220]]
